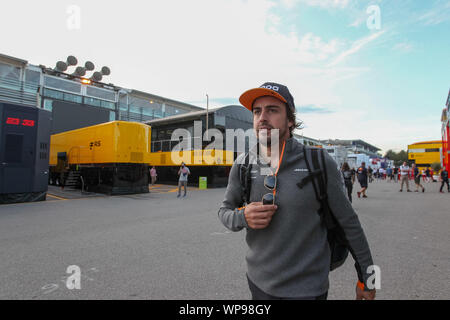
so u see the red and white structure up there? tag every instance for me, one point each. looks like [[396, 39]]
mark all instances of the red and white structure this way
[[445, 161]]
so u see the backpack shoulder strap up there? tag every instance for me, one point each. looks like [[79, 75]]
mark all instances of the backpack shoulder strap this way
[[324, 167], [315, 156], [322, 179], [312, 172], [335, 234]]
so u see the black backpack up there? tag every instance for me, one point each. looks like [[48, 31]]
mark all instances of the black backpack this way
[[318, 176]]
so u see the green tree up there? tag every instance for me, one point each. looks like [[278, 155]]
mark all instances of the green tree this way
[[402, 157], [390, 154], [398, 157]]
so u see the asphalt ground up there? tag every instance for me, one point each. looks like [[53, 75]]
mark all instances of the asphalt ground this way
[[156, 246]]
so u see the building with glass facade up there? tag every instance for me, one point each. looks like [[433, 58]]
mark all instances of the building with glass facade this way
[[74, 104], [231, 121], [308, 141], [355, 146], [231, 117]]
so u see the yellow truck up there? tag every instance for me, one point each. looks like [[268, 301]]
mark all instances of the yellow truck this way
[[424, 154], [111, 158]]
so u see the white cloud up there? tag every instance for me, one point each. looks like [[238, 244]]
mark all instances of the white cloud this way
[[357, 45], [220, 48], [183, 50], [312, 49], [438, 14], [404, 47], [358, 21], [289, 4], [357, 124], [327, 3]]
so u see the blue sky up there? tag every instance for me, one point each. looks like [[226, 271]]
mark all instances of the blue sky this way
[[386, 86], [406, 80]]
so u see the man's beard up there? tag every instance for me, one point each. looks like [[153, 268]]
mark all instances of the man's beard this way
[[265, 136], [268, 154]]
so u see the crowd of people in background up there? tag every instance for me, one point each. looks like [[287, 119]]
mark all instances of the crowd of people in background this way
[[403, 174]]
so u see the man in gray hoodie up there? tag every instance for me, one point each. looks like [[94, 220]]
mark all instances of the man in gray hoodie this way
[[288, 253]]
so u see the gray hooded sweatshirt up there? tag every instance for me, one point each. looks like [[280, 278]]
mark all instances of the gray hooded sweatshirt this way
[[291, 257]]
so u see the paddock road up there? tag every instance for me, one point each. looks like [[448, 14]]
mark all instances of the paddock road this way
[[156, 246]]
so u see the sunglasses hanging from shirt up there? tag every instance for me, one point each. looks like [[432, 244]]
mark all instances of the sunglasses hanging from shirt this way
[[270, 182]]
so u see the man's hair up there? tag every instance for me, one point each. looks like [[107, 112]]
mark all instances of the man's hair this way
[[291, 115]]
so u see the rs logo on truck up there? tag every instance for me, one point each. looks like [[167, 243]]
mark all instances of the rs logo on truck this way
[[95, 144]]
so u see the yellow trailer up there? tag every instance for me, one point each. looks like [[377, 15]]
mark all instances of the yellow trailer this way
[[195, 158], [424, 154], [111, 142], [110, 157]]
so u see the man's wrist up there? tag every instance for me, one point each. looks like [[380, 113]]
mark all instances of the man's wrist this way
[[363, 287], [241, 212], [360, 285]]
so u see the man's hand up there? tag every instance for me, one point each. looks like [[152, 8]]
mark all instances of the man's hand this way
[[258, 216], [365, 295]]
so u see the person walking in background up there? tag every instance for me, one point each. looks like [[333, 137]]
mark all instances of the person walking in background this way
[[153, 175], [362, 179], [428, 174], [389, 174], [370, 173], [395, 174], [424, 175], [182, 181], [383, 173], [349, 179], [416, 173], [444, 179], [404, 173]]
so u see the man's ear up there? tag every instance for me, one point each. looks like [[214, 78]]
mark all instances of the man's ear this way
[[290, 124]]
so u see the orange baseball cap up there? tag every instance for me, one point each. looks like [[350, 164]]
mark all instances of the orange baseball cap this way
[[273, 89]]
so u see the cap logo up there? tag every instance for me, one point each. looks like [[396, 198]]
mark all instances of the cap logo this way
[[274, 88]]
